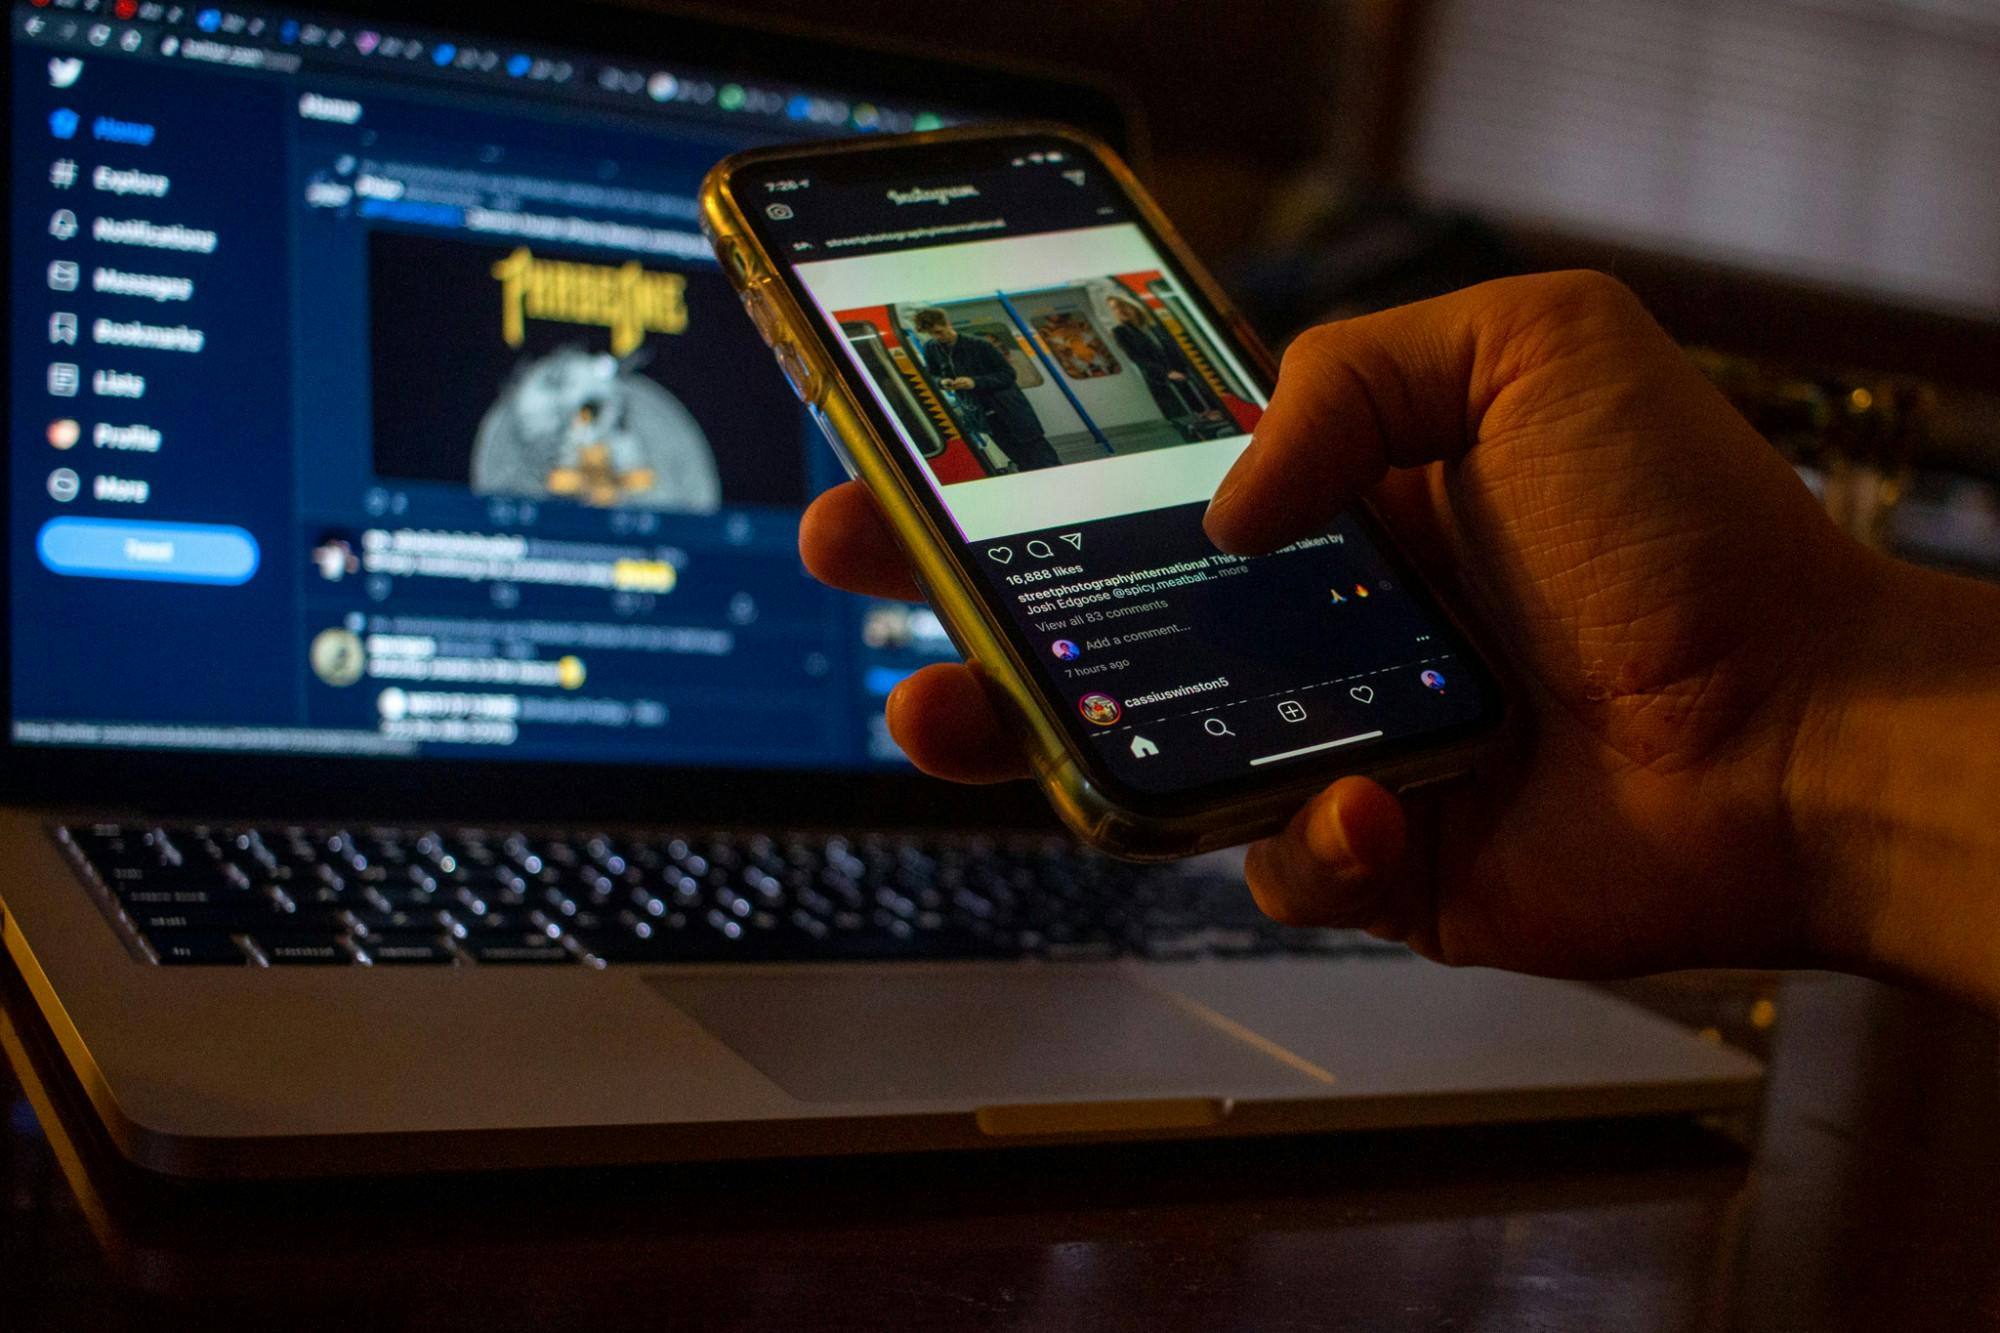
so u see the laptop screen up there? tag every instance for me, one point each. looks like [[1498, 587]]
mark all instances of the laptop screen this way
[[373, 394]]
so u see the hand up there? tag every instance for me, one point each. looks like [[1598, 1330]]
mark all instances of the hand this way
[[962, 382], [1176, 376], [1714, 765]]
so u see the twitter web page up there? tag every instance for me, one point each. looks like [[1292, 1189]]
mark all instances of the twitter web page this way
[[373, 393], [1071, 405]]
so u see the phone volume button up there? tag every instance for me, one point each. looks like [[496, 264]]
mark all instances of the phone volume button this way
[[759, 311], [819, 417], [804, 384], [734, 262]]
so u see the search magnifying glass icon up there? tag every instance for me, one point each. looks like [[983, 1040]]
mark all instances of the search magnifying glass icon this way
[[1215, 726]]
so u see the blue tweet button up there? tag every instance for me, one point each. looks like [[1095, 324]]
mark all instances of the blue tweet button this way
[[151, 552]]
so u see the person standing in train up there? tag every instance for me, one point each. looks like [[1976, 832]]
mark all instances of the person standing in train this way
[[980, 372], [1170, 377]]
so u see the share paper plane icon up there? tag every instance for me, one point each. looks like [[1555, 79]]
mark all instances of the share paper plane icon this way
[[1074, 539]]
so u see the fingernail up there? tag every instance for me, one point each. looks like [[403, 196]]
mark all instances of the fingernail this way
[[1357, 823], [1325, 833]]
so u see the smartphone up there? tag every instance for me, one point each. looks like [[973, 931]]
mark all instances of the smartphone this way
[[1005, 341]]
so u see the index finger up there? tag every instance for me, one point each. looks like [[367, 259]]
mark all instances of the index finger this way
[[845, 542]]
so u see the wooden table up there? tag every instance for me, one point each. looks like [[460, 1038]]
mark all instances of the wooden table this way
[[1869, 1201]]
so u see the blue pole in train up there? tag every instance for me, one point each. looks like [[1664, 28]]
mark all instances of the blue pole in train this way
[[1055, 371]]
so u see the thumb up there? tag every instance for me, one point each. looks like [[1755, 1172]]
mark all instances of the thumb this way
[[1338, 860], [1392, 390]]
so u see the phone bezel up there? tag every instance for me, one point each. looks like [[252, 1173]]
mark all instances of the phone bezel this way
[[947, 152]]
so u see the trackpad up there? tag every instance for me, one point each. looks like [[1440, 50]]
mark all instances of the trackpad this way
[[973, 1034]]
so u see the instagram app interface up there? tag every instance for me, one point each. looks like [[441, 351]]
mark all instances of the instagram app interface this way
[[1069, 404]]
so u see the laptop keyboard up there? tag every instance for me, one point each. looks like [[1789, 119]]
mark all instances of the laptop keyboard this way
[[296, 896]]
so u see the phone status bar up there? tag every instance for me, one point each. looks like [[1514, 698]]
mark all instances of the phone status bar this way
[[287, 41]]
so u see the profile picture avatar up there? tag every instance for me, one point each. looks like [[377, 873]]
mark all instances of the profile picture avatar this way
[[1098, 709], [1065, 650]]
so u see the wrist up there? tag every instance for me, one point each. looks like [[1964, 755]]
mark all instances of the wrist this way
[[1893, 787]]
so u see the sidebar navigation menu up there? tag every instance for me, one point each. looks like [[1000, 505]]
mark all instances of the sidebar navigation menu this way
[[151, 446]]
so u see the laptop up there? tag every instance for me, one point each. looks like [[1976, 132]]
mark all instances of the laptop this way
[[424, 750]]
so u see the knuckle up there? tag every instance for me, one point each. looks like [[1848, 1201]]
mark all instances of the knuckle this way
[[1538, 320], [1309, 348], [1581, 293]]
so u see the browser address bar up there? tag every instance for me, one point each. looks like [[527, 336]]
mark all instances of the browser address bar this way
[[237, 57]]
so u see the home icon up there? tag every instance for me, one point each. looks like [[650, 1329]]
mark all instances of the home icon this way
[[1143, 748]]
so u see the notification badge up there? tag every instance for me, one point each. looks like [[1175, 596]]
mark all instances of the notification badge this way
[[1099, 709]]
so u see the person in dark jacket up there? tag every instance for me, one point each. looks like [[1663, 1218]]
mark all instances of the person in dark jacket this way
[[979, 371], [1179, 392]]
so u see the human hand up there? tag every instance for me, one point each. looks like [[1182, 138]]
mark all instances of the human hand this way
[[962, 382], [1175, 375], [1690, 635]]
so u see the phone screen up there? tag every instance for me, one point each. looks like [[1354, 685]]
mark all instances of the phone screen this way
[[1067, 402]]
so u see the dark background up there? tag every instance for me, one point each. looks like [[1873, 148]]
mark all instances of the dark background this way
[[438, 362], [1293, 121]]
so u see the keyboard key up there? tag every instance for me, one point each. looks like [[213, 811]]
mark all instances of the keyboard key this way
[[401, 948], [199, 947], [183, 920], [145, 896], [623, 946], [1083, 951], [1227, 943], [514, 947], [313, 950]]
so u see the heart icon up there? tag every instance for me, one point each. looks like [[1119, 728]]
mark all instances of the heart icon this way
[[1001, 555], [1363, 693]]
